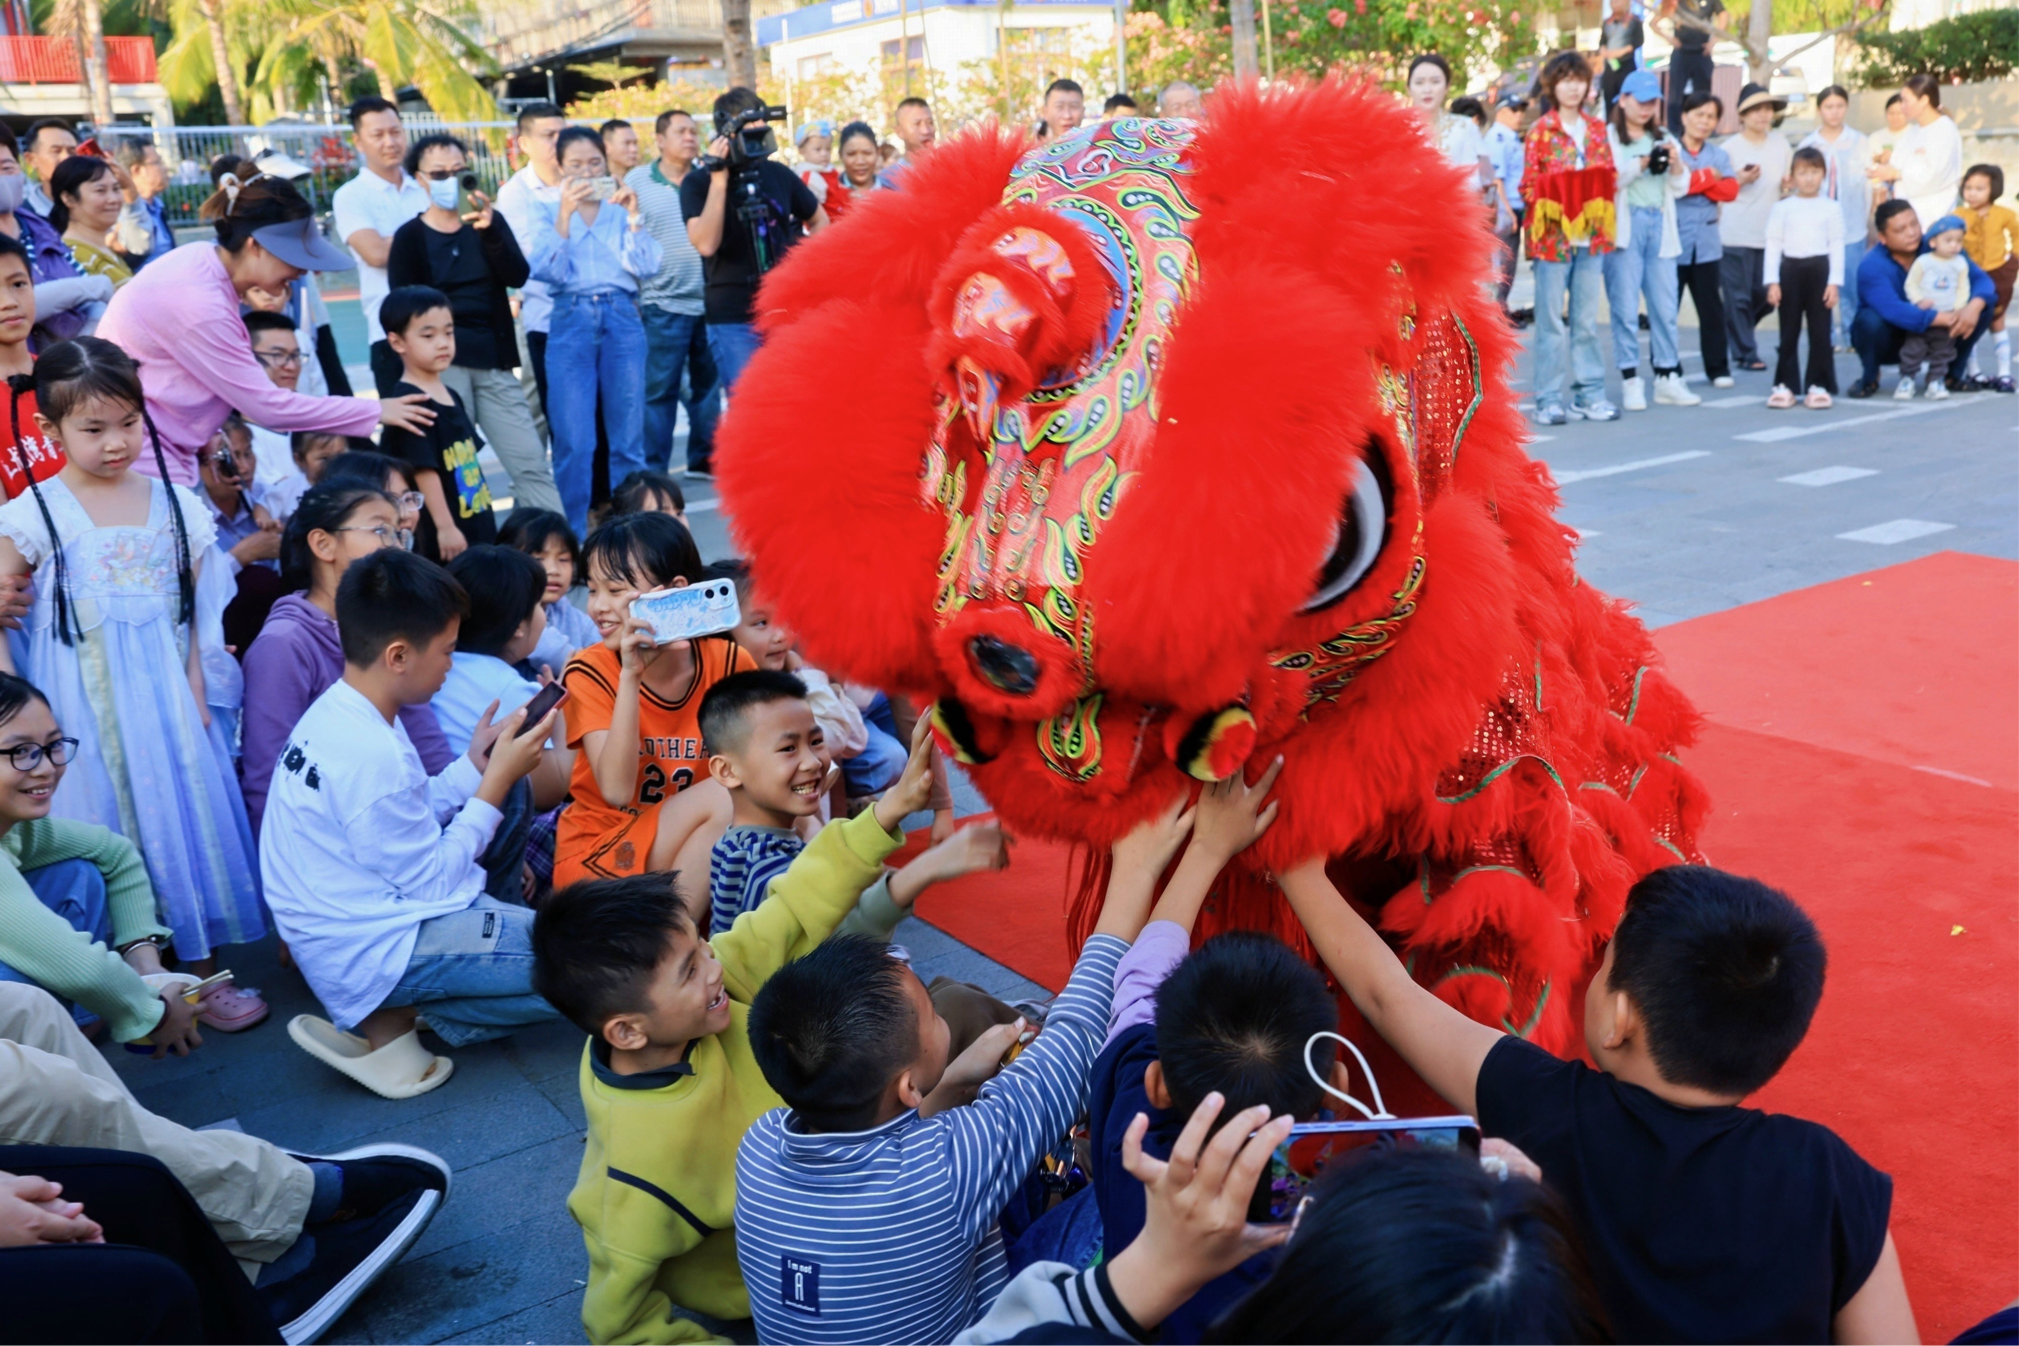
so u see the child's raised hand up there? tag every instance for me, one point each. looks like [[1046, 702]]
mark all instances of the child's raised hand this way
[[1231, 816], [1148, 846], [637, 649], [1195, 1219], [967, 1073], [971, 850], [913, 790]]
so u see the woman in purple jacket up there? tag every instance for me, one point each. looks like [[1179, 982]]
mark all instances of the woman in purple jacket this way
[[298, 655]]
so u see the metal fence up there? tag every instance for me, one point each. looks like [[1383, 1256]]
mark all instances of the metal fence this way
[[325, 151]]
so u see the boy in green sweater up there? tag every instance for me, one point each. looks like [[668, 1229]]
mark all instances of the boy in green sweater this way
[[668, 1080]]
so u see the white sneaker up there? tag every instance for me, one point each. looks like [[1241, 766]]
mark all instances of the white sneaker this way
[[1633, 394], [1905, 392], [1937, 390], [1670, 390], [1722, 381]]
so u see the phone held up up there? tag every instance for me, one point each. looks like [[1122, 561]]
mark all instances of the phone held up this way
[[603, 188], [704, 609], [1311, 1146]]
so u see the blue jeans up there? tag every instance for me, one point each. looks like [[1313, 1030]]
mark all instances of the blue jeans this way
[[74, 890], [596, 341], [1847, 294], [879, 765], [732, 343], [676, 345], [1637, 270], [1581, 365], [471, 973]]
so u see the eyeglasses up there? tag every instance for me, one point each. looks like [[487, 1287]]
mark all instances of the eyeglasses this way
[[27, 756], [386, 536], [278, 359], [444, 174], [410, 501]]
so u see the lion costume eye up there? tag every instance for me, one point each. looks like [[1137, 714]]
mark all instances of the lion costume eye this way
[[1356, 538]]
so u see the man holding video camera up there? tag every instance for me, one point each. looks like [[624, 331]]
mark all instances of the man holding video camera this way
[[743, 209]]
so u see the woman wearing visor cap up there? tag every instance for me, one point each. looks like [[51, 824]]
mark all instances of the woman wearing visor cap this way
[[179, 320]]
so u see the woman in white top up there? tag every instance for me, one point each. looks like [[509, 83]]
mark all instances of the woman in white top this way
[[1847, 154], [1927, 166], [1458, 137]]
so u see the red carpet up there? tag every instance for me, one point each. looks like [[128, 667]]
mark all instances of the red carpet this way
[[1863, 754]]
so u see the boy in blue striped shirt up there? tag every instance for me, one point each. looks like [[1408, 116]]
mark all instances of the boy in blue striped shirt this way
[[766, 749], [867, 1210]]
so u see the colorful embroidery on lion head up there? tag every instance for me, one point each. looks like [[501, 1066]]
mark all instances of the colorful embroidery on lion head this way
[[1169, 447]]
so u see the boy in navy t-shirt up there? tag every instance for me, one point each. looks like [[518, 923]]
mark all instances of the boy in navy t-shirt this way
[[1705, 1221]]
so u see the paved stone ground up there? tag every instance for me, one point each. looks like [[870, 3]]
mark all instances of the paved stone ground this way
[[1686, 511]]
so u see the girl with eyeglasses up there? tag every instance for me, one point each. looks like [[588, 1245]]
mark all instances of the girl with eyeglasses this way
[[116, 640], [60, 878], [298, 654]]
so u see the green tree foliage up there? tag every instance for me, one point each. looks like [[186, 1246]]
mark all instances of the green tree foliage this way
[[1960, 50]]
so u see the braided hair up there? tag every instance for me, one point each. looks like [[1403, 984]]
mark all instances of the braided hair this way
[[67, 374]]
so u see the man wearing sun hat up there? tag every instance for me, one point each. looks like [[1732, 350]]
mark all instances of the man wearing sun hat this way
[[1761, 158]]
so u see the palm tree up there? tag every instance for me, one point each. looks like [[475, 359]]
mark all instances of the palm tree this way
[[83, 21], [739, 53], [201, 53], [401, 42]]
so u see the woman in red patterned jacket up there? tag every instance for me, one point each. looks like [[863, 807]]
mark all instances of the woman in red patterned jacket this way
[[1569, 181]]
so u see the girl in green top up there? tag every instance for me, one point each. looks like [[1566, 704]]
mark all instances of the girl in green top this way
[[76, 910]]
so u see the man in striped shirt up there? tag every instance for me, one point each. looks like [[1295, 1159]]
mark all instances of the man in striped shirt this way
[[868, 1211], [676, 340]]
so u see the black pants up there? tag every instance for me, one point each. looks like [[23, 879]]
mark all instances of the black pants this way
[[1701, 280], [170, 1279], [1689, 71], [1878, 343], [388, 369], [1608, 86], [1743, 274], [1803, 281]]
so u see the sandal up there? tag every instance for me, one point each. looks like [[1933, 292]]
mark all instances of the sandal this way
[[1819, 399], [1781, 398], [403, 1068], [231, 1008]]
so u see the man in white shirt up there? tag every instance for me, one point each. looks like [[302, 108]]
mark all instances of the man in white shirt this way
[[533, 193], [371, 866], [1761, 158], [370, 209]]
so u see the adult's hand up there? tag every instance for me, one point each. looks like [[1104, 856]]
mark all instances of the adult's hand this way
[[718, 148], [33, 1212], [177, 1031], [625, 198], [481, 217], [575, 193], [17, 595], [261, 546], [1964, 320], [409, 412]]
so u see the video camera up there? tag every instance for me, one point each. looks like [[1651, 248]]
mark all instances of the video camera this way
[[747, 143]]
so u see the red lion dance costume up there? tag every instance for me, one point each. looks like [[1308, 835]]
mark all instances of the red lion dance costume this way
[[1170, 447]]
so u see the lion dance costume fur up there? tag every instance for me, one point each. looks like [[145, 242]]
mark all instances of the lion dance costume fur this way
[[1156, 452]]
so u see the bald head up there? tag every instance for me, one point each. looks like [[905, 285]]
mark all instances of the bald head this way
[[1180, 99]]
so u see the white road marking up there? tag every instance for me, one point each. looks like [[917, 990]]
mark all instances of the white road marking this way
[[1829, 476], [1896, 530], [1742, 400], [1566, 478], [1822, 427]]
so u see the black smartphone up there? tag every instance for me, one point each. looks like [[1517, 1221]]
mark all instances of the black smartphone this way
[[544, 700], [1311, 1146]]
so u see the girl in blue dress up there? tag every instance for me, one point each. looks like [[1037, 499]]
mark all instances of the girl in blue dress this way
[[112, 642]]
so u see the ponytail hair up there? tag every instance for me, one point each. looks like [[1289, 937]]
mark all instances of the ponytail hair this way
[[17, 384], [324, 508], [67, 374], [246, 201]]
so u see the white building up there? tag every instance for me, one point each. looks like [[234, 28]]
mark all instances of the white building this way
[[900, 36]]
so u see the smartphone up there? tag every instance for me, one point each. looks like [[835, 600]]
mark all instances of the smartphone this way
[[704, 609], [465, 207], [544, 700], [603, 188], [1303, 1156]]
